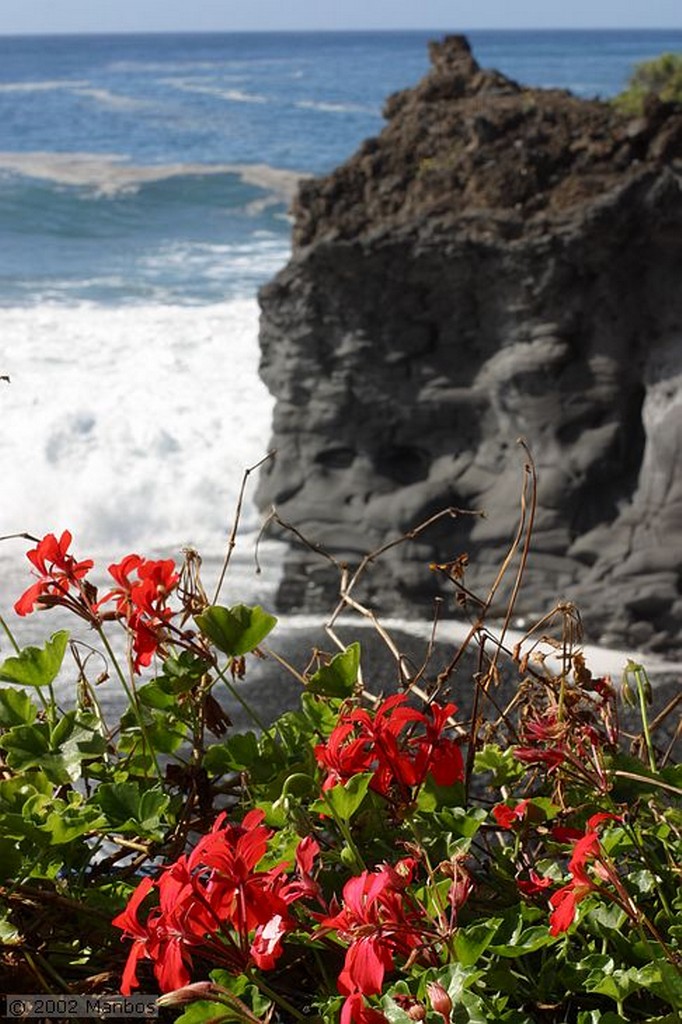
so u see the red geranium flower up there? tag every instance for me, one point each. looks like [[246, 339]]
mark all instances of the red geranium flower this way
[[162, 938], [398, 743], [534, 885], [507, 816], [141, 602], [356, 1011], [378, 922], [216, 902], [57, 571], [587, 849]]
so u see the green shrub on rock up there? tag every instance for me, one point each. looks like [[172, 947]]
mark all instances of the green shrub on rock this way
[[660, 77]]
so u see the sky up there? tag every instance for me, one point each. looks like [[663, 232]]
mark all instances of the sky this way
[[49, 16]]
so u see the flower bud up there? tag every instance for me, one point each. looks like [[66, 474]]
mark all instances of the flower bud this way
[[440, 1000], [188, 994]]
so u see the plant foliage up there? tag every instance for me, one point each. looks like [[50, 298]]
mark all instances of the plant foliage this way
[[660, 78], [364, 858]]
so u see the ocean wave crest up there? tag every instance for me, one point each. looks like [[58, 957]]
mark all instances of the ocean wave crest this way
[[46, 86], [328, 107], [111, 174], [221, 93]]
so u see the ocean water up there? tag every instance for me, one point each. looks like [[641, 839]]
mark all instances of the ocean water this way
[[144, 189]]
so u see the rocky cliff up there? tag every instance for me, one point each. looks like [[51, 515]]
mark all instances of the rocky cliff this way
[[500, 261]]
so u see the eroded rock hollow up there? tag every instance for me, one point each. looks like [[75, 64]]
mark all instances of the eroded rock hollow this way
[[500, 262]]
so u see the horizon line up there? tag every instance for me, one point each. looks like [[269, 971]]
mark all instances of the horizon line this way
[[459, 30]]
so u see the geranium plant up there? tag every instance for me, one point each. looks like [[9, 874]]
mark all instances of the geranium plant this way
[[368, 857]]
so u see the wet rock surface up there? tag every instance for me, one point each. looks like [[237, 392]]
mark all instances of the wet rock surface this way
[[499, 262]]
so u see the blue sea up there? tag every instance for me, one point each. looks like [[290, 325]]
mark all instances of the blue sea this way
[[144, 189]]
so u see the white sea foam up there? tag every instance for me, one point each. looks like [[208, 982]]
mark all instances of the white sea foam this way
[[262, 257], [48, 86], [127, 67], [111, 100], [110, 173], [327, 107], [231, 95], [131, 426], [80, 87]]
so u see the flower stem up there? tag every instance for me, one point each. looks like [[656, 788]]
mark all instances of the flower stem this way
[[276, 997], [132, 698], [255, 718], [643, 691], [10, 635]]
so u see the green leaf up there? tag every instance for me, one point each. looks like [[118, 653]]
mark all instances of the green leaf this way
[[475, 1008], [15, 791], [36, 666], [204, 1012], [321, 715], [473, 940], [129, 810], [16, 707], [67, 821], [528, 941], [338, 678], [393, 1013], [344, 799], [153, 805], [458, 821], [431, 796], [152, 695], [165, 733], [455, 979], [9, 933], [502, 763], [663, 979], [238, 754], [74, 739], [237, 630], [617, 985], [26, 745], [182, 673]]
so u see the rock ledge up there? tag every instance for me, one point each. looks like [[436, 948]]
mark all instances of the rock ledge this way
[[499, 262]]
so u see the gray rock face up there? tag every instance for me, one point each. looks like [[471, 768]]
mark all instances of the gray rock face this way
[[500, 262]]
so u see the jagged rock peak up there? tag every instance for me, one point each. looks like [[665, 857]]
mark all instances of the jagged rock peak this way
[[472, 148], [453, 53], [454, 67]]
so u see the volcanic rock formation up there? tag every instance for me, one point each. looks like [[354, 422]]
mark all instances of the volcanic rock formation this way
[[500, 262]]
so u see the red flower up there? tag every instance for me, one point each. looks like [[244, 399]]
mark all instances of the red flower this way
[[57, 571], [534, 885], [216, 902], [157, 581], [266, 947], [356, 1011], [161, 939], [379, 923], [121, 594], [397, 743], [507, 816], [132, 929], [565, 902], [587, 849], [141, 602], [226, 858]]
